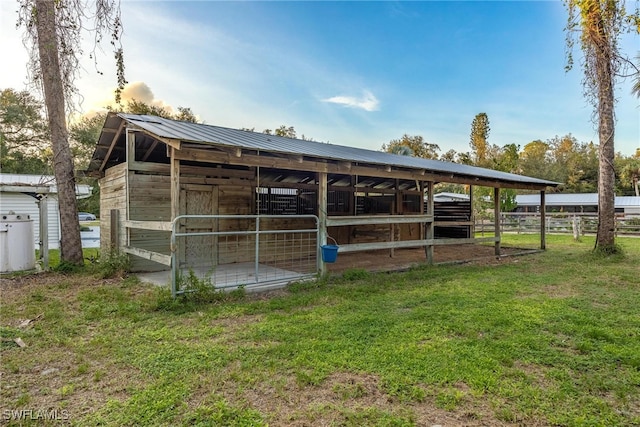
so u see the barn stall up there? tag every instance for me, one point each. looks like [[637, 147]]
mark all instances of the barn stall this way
[[242, 208]]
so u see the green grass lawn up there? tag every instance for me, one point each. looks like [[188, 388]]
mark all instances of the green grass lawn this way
[[546, 339]]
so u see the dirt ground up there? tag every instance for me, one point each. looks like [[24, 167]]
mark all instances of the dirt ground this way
[[402, 259]]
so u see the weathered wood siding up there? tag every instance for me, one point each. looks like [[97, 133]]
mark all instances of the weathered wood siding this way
[[113, 195], [149, 200]]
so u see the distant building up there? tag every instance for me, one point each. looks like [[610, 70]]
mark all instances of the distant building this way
[[582, 203], [22, 195], [450, 197]]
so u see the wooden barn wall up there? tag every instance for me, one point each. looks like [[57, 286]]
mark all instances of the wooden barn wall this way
[[113, 195], [149, 200]]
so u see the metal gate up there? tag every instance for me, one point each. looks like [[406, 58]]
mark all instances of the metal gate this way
[[234, 251]]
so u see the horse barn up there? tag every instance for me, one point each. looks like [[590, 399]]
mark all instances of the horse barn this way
[[250, 209]]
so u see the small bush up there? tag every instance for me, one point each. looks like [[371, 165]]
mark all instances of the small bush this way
[[67, 267], [110, 264]]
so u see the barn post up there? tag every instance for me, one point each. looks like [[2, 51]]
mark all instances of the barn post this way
[[429, 225], [130, 153], [114, 235], [472, 217], [543, 221], [175, 211], [322, 218], [496, 221], [175, 185]]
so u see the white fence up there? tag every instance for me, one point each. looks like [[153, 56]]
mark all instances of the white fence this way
[[570, 223]]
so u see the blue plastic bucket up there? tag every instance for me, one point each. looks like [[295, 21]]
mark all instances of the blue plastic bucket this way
[[329, 253]]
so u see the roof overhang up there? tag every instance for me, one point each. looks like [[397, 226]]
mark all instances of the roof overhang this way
[[212, 144]]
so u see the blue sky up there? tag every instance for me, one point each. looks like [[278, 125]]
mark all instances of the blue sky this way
[[353, 73]]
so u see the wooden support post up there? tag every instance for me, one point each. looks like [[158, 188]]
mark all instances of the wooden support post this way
[[130, 138], [395, 210], [322, 218], [421, 229], [429, 233], [496, 213], [175, 185], [43, 212], [472, 218], [543, 222], [114, 230]]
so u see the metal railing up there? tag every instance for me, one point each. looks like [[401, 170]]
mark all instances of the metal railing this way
[[244, 250]]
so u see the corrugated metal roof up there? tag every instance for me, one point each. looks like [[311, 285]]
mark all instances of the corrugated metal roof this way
[[26, 182], [574, 199], [209, 135]]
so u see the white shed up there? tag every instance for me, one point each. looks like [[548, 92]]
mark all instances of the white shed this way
[[23, 194]]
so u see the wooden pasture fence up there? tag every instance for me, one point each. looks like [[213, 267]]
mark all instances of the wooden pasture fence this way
[[556, 223]]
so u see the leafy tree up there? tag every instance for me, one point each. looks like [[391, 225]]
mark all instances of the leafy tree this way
[[24, 146], [287, 132], [582, 170], [464, 158], [508, 159], [54, 33], [402, 150], [534, 159], [479, 135], [83, 136], [449, 156], [630, 174], [283, 130], [418, 146], [597, 24]]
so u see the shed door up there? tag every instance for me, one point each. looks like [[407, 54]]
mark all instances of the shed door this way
[[200, 251]]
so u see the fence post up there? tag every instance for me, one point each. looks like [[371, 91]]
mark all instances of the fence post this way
[[114, 232]]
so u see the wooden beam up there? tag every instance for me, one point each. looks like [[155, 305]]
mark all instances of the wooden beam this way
[[149, 225], [175, 185], [543, 221], [341, 167], [112, 145], [150, 150], [452, 223], [165, 169], [339, 221], [114, 230], [496, 213], [322, 216], [429, 232], [152, 256], [472, 230], [130, 141], [360, 247]]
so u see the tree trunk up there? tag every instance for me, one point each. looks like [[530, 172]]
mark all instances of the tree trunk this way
[[70, 245], [606, 129]]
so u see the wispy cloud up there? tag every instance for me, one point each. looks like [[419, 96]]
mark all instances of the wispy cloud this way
[[367, 101]]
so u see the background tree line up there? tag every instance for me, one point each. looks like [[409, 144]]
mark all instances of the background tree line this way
[[25, 148], [562, 159]]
